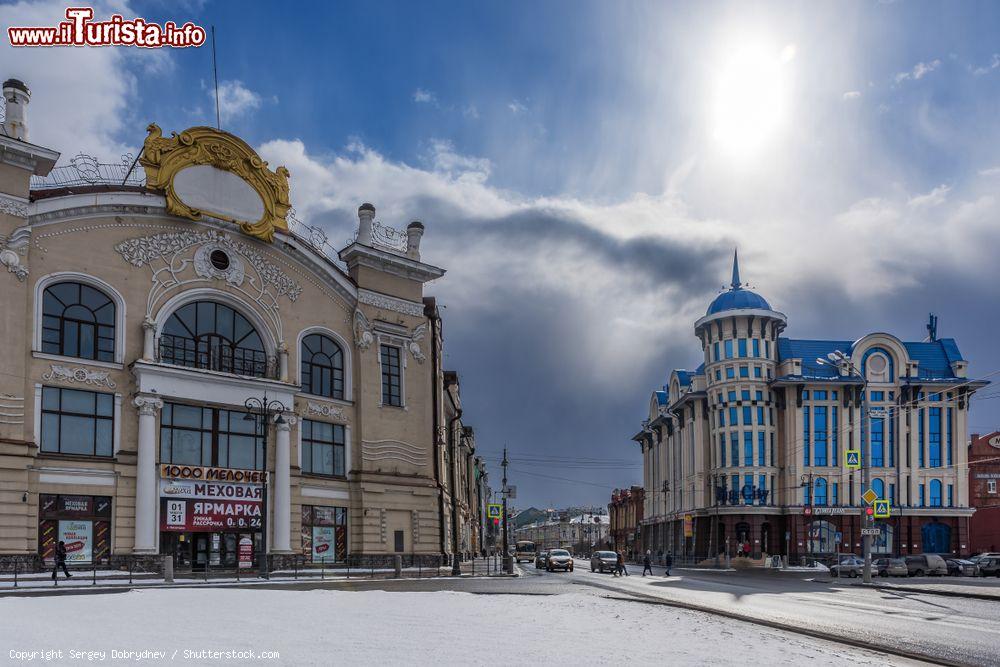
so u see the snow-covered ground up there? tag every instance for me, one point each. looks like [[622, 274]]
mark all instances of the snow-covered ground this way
[[326, 627]]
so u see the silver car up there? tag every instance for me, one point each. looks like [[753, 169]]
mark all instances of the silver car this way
[[849, 566], [603, 561], [891, 567], [559, 559]]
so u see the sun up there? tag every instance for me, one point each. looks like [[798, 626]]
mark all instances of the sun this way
[[750, 97]]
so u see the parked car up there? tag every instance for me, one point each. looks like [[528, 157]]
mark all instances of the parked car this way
[[540, 559], [890, 567], [559, 559], [989, 566], [959, 567], [603, 561], [849, 566], [926, 564]]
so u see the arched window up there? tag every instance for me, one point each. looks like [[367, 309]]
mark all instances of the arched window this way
[[322, 366], [935, 493], [78, 321], [819, 490], [205, 334], [878, 486]]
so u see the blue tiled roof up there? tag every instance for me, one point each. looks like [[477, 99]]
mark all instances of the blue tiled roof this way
[[934, 358], [684, 377], [737, 299], [661, 398], [701, 369]]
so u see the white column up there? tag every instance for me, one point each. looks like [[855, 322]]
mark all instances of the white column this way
[[282, 361], [282, 486], [145, 475], [148, 335]]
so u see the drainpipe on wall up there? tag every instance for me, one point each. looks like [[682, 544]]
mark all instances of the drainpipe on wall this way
[[456, 565], [430, 310]]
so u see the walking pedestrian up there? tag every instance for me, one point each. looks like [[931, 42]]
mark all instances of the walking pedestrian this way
[[620, 566], [60, 561], [647, 565], [668, 561]]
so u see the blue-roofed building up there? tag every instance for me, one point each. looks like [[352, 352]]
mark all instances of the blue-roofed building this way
[[748, 454]]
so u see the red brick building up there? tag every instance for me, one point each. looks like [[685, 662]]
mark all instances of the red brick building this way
[[984, 478], [625, 511]]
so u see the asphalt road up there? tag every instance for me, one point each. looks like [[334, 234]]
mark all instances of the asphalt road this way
[[942, 629]]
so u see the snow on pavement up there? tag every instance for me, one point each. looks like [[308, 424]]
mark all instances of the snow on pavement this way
[[324, 627]]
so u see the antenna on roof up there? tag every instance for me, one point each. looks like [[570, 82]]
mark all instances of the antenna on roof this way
[[932, 327], [215, 72]]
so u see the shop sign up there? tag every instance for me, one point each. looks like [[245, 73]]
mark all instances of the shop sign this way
[[833, 510], [994, 441], [323, 540], [188, 488], [987, 475], [688, 525], [209, 515], [246, 552], [172, 471], [78, 537]]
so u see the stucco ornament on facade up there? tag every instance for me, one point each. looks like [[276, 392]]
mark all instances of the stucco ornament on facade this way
[[390, 303], [169, 257], [14, 207], [329, 411], [363, 336], [13, 249], [59, 373]]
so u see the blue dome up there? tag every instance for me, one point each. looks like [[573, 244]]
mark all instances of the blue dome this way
[[736, 299]]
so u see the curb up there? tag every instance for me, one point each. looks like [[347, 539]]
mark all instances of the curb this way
[[943, 593]]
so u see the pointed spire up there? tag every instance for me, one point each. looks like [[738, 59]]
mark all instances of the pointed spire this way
[[736, 270]]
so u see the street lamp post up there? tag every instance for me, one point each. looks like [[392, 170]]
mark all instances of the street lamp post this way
[[838, 358], [259, 410]]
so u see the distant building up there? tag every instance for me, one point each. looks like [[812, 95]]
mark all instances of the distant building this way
[[580, 533], [984, 477], [626, 512], [750, 447]]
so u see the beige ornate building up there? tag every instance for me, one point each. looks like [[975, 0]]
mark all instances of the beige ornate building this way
[[145, 305]]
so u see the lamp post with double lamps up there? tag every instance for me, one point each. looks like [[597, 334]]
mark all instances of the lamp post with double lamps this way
[[259, 411], [838, 360]]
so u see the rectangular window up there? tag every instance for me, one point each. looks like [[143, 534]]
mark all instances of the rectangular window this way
[[921, 490], [760, 416], [722, 450], [745, 395], [392, 393], [744, 371], [892, 495], [323, 448], [805, 395], [758, 396], [934, 438], [891, 443], [77, 422], [935, 493], [878, 396], [324, 533], [805, 436], [732, 395], [748, 448], [734, 448], [772, 453], [761, 449], [756, 347], [761, 488], [722, 417], [191, 435], [718, 375], [742, 347], [947, 434], [747, 482], [834, 428], [730, 372], [835, 498], [991, 486], [729, 348], [920, 438], [819, 435], [715, 351], [733, 417], [819, 395], [757, 372], [747, 415], [951, 495], [877, 443], [767, 349]]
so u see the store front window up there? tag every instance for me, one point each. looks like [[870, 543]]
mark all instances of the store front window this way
[[324, 533], [198, 436], [83, 523]]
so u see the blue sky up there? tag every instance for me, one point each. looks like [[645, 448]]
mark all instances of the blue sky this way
[[586, 168]]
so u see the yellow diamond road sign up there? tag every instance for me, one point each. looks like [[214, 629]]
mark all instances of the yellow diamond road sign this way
[[869, 496], [881, 509]]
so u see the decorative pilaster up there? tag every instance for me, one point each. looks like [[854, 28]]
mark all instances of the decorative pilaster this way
[[283, 485], [148, 339], [282, 361], [145, 475]]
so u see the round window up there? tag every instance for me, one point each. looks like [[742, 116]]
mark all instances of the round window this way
[[877, 363], [219, 259]]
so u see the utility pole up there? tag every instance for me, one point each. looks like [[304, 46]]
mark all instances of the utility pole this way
[[508, 563], [866, 539]]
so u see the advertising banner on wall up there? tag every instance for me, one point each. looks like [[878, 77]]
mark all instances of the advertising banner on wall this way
[[209, 515], [323, 541], [79, 539], [185, 488]]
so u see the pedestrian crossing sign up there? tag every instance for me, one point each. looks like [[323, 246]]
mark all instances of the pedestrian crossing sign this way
[[881, 509], [494, 511], [852, 458]]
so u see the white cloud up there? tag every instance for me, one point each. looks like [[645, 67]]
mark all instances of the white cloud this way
[[516, 107], [990, 171], [235, 100], [470, 111], [935, 197], [986, 69], [919, 71], [421, 96], [852, 94]]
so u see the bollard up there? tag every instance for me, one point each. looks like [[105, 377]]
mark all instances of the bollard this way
[[131, 563], [295, 567], [398, 564], [322, 568], [93, 581], [168, 569], [15, 573]]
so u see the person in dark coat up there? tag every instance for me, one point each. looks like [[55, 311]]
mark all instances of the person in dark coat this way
[[620, 565], [647, 564], [668, 561], [60, 560]]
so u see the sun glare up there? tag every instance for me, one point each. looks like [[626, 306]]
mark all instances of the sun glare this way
[[749, 100]]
